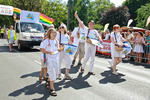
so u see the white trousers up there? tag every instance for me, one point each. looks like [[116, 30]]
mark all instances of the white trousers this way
[[52, 69], [89, 52], [67, 58]]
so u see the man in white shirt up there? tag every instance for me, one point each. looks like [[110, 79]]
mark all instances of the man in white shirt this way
[[90, 49], [79, 40]]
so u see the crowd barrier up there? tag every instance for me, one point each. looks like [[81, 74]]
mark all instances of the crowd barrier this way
[[106, 50]]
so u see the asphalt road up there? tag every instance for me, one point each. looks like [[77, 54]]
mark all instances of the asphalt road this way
[[19, 71]]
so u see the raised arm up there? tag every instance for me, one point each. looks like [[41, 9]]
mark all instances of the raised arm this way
[[76, 15]]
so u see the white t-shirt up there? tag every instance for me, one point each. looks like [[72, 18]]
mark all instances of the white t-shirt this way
[[130, 36], [118, 37], [50, 46], [11, 34], [82, 36], [92, 33], [64, 38], [107, 36]]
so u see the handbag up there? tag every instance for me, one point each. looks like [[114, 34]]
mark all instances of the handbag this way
[[88, 40], [117, 48]]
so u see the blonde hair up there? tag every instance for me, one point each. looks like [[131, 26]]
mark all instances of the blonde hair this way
[[65, 28], [50, 31]]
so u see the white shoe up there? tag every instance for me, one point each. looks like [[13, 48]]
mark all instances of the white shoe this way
[[110, 62], [115, 73]]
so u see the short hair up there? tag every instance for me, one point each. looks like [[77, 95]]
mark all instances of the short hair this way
[[116, 27], [50, 31]]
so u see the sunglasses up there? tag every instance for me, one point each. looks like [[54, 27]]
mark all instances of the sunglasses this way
[[62, 27]]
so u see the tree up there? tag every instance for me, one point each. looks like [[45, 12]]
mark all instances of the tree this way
[[81, 6], [133, 5], [119, 15], [142, 14]]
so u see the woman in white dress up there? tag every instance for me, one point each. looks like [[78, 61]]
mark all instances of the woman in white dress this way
[[138, 49], [116, 40]]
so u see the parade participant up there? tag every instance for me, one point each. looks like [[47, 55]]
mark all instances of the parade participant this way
[[49, 46], [43, 63], [63, 38], [90, 49], [2, 32], [79, 40], [116, 41], [51, 26], [11, 36]]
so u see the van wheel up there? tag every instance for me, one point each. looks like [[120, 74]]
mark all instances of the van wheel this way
[[20, 47]]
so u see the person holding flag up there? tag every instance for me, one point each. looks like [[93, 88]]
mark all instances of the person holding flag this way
[[79, 40], [90, 49], [64, 39]]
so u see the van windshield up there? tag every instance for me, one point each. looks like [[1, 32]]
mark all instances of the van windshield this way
[[31, 27]]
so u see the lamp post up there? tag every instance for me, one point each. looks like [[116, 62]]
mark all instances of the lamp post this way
[[68, 14]]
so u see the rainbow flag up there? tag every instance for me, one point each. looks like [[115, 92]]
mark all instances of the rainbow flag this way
[[44, 60], [16, 13], [45, 20]]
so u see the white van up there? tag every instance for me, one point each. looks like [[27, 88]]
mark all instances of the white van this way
[[29, 34]]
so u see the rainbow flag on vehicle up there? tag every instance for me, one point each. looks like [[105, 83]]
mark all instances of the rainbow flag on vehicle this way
[[45, 20], [16, 13]]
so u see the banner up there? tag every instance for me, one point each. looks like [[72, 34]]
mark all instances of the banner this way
[[126, 50], [70, 49], [106, 50], [6, 10], [96, 43], [29, 16]]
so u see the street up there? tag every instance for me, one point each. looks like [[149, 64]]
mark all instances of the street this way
[[20, 71]]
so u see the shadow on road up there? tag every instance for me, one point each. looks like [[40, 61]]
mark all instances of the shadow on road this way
[[33, 89], [111, 78], [34, 74], [137, 64], [37, 88], [77, 83], [4, 49]]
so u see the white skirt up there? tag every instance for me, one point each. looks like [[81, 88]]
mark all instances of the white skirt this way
[[138, 49], [115, 53]]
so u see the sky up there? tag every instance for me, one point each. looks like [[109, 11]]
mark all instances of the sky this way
[[116, 2]]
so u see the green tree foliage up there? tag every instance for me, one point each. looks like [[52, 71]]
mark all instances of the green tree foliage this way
[[81, 6], [119, 15], [57, 11], [4, 19], [142, 15], [133, 5]]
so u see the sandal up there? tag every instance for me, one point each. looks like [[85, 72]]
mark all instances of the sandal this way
[[45, 78], [82, 70], [115, 73], [53, 92], [40, 78], [47, 83], [91, 73]]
